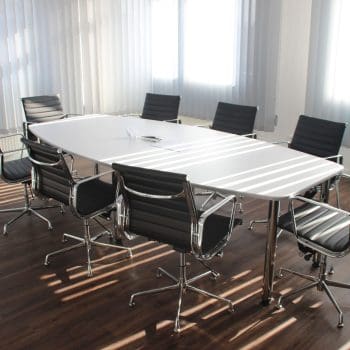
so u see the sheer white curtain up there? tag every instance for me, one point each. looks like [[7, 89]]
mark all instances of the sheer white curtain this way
[[39, 54], [217, 50], [102, 56], [328, 93]]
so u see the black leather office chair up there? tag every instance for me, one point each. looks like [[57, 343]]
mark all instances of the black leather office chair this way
[[322, 229], [16, 168], [39, 109], [234, 119], [161, 107], [160, 206], [87, 198], [321, 138]]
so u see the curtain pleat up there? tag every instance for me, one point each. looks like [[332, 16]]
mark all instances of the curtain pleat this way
[[102, 56]]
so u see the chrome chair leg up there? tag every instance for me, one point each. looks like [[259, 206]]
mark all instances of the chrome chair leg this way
[[253, 222], [335, 303], [296, 273], [26, 209], [152, 291], [295, 291], [60, 251], [87, 241]]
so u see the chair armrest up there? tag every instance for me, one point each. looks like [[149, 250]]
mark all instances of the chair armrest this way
[[44, 163], [252, 135], [198, 232], [12, 135], [281, 142], [338, 158], [176, 120], [203, 125], [313, 202], [216, 207]]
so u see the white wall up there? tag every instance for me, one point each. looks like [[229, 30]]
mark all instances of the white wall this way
[[292, 71]]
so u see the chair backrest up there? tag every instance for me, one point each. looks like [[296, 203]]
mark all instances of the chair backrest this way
[[44, 108], [318, 137], [161, 107], [52, 177], [235, 119], [38, 109], [159, 205]]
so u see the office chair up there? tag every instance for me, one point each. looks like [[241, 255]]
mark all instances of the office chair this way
[[161, 107], [45, 108], [39, 109], [234, 119], [160, 206], [87, 198], [16, 169], [321, 138], [323, 229]]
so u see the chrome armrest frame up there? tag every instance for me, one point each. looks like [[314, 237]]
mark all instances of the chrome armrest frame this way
[[252, 135], [175, 120], [197, 235], [281, 142], [203, 126]]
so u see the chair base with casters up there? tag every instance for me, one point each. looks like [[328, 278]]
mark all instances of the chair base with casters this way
[[87, 241], [28, 209], [323, 231], [87, 198], [321, 283], [182, 284], [18, 171], [160, 206]]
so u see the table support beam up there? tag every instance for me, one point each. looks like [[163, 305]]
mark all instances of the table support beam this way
[[270, 252]]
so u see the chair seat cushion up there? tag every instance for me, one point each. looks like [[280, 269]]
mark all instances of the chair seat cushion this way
[[18, 170], [320, 226], [93, 196]]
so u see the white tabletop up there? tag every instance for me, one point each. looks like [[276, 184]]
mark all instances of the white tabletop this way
[[210, 158]]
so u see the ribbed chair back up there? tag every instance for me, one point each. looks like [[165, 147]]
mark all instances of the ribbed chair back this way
[[235, 119], [161, 107], [318, 137], [44, 108], [166, 220], [53, 178]]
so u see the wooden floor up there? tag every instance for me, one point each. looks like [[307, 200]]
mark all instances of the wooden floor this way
[[58, 307]]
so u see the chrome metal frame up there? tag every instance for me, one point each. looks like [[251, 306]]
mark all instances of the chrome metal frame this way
[[27, 208], [321, 282], [338, 158], [182, 284], [87, 241], [197, 230]]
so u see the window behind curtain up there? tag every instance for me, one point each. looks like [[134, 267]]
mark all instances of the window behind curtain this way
[[338, 55], [195, 41]]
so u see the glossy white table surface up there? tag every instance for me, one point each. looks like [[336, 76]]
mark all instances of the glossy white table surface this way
[[210, 158]]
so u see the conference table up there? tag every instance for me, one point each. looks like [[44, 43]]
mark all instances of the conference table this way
[[211, 159]]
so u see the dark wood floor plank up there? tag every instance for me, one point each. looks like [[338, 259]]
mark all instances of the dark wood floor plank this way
[[58, 307]]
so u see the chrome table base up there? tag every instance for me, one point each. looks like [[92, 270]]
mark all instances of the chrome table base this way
[[182, 284]]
